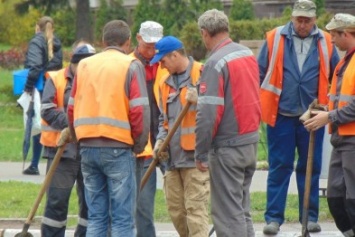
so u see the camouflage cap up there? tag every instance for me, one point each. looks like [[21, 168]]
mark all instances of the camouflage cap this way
[[304, 8], [341, 21]]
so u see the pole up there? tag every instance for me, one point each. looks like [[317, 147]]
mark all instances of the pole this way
[[165, 144]]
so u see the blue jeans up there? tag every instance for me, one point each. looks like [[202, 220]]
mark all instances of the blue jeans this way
[[110, 190], [145, 199], [288, 135], [36, 150]]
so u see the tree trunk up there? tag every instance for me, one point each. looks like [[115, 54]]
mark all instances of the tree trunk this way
[[83, 21]]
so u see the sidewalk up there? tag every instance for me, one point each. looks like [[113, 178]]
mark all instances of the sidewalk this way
[[13, 171]]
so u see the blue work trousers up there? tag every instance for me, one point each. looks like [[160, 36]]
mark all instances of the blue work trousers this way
[[288, 135], [36, 150], [145, 199], [110, 191]]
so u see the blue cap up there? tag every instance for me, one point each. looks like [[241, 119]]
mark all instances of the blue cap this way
[[164, 46]]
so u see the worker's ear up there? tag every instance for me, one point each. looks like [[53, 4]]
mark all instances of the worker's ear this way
[[126, 45]]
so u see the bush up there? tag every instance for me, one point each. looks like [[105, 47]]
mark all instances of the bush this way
[[16, 29], [191, 37], [12, 58]]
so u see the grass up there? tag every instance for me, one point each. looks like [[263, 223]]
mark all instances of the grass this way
[[17, 199], [12, 127]]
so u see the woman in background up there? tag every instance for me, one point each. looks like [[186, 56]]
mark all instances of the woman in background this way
[[44, 54]]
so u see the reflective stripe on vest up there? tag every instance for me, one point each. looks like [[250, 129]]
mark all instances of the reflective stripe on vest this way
[[271, 87], [101, 105], [345, 95], [188, 123], [50, 135]]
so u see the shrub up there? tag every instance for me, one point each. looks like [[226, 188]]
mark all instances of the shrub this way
[[12, 58], [16, 29], [191, 37]]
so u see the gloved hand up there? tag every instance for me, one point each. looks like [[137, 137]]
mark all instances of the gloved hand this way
[[164, 155], [65, 137], [191, 95]]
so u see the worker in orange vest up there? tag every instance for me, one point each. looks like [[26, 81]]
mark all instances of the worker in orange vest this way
[[55, 99], [186, 188], [341, 119], [149, 33], [109, 115], [295, 63]]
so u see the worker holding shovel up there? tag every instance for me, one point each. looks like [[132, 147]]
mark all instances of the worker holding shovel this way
[[54, 103], [186, 188], [341, 119]]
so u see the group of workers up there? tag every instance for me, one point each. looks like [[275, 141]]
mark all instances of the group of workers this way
[[114, 112]]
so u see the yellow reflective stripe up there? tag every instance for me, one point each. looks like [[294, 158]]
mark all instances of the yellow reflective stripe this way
[[189, 130], [212, 100], [102, 120], [71, 101], [266, 83], [138, 102], [231, 56], [54, 223]]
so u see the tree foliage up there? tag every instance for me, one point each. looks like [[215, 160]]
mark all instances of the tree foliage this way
[[242, 10], [320, 7], [106, 13], [146, 10]]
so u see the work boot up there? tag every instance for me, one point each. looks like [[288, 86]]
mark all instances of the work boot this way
[[313, 227], [272, 228], [31, 171]]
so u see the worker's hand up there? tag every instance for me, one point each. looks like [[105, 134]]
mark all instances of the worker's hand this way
[[65, 137], [317, 120], [163, 155], [191, 95], [201, 166]]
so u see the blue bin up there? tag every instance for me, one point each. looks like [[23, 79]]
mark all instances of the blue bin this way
[[19, 81]]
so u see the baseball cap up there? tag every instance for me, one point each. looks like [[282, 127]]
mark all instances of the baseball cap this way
[[164, 46], [151, 31], [81, 52], [304, 8], [341, 21]]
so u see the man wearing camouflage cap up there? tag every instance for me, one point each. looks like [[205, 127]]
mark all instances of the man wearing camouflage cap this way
[[295, 64], [341, 119]]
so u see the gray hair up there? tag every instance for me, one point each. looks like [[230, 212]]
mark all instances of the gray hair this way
[[214, 22], [116, 33]]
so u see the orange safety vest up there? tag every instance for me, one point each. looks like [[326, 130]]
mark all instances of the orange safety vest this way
[[50, 135], [347, 94], [101, 106], [148, 149], [188, 123], [271, 87]]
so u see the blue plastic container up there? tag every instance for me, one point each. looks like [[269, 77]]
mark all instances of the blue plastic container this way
[[19, 81]]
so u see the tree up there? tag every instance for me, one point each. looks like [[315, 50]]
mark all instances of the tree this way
[[242, 10], [107, 12], [144, 11], [83, 20], [320, 7]]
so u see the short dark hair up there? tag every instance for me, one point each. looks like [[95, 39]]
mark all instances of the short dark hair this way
[[116, 33]]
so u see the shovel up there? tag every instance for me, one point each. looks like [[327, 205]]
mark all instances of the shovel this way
[[307, 188], [154, 163], [46, 182]]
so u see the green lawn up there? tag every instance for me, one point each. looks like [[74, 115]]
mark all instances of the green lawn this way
[[17, 199]]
